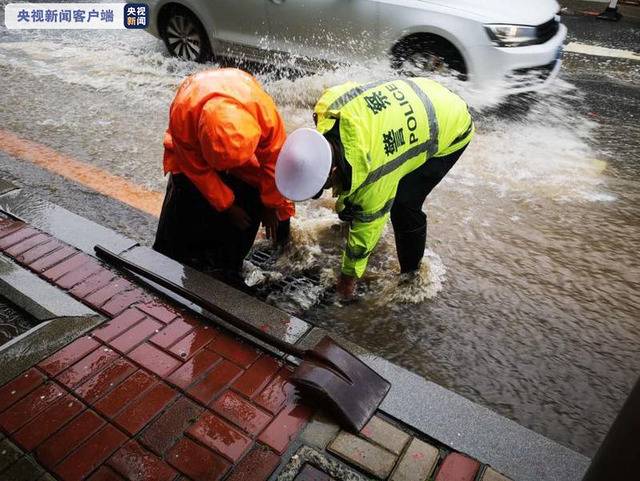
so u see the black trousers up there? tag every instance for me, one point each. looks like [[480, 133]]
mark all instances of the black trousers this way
[[192, 232], [408, 219]]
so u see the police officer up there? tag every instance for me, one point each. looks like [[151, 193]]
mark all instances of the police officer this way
[[382, 147]]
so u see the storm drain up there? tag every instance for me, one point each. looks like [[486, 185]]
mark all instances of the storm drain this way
[[307, 463], [288, 285], [13, 321]]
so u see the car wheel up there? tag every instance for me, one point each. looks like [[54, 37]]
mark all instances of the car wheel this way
[[416, 56], [185, 37]]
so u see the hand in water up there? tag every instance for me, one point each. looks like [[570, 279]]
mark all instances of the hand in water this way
[[346, 287], [239, 217]]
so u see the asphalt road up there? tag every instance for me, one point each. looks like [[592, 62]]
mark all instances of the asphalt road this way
[[624, 34]]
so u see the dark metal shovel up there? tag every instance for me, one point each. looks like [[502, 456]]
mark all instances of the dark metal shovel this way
[[328, 376]]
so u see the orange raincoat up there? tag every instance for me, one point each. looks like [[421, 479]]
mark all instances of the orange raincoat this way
[[222, 120]]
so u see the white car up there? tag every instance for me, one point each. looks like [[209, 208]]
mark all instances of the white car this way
[[486, 41]]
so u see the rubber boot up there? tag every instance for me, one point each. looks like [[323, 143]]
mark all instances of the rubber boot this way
[[611, 14], [410, 247]]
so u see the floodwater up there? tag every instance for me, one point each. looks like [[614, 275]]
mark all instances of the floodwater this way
[[528, 298]]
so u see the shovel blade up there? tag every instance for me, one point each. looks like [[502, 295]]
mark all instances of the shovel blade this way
[[341, 382]]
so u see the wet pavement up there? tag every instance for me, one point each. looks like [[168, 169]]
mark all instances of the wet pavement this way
[[528, 301], [621, 35], [188, 354], [79, 408]]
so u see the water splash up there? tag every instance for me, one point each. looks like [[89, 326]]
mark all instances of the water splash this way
[[528, 296], [135, 67], [413, 288], [317, 239], [537, 152]]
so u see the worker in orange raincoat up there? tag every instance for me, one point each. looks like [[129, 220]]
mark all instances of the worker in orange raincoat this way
[[221, 147]]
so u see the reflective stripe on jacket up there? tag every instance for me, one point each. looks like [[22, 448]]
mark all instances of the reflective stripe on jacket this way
[[387, 130], [222, 120]]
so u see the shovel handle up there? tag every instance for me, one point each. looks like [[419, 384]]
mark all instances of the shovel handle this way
[[122, 263]]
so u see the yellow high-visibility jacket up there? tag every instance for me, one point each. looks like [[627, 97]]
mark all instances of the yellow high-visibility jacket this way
[[387, 130]]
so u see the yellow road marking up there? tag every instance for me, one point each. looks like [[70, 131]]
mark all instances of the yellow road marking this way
[[125, 191]]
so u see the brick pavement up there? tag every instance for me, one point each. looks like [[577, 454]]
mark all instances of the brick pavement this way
[[152, 394], [156, 394]]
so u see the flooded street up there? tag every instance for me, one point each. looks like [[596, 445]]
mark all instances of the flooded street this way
[[528, 299]]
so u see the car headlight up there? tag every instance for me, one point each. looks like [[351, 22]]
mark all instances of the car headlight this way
[[512, 35]]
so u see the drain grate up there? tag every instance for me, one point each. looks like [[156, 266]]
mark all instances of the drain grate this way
[[309, 461], [288, 284], [13, 321]]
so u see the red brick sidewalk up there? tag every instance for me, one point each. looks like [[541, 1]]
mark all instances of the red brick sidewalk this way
[[153, 394]]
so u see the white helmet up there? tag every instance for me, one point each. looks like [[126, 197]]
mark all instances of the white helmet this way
[[303, 165]]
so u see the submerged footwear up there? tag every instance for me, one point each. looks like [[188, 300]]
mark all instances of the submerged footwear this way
[[411, 278]]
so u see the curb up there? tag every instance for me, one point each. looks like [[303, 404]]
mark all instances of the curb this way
[[422, 405], [61, 318]]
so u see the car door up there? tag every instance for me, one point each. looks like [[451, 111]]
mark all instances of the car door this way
[[236, 22], [333, 30]]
